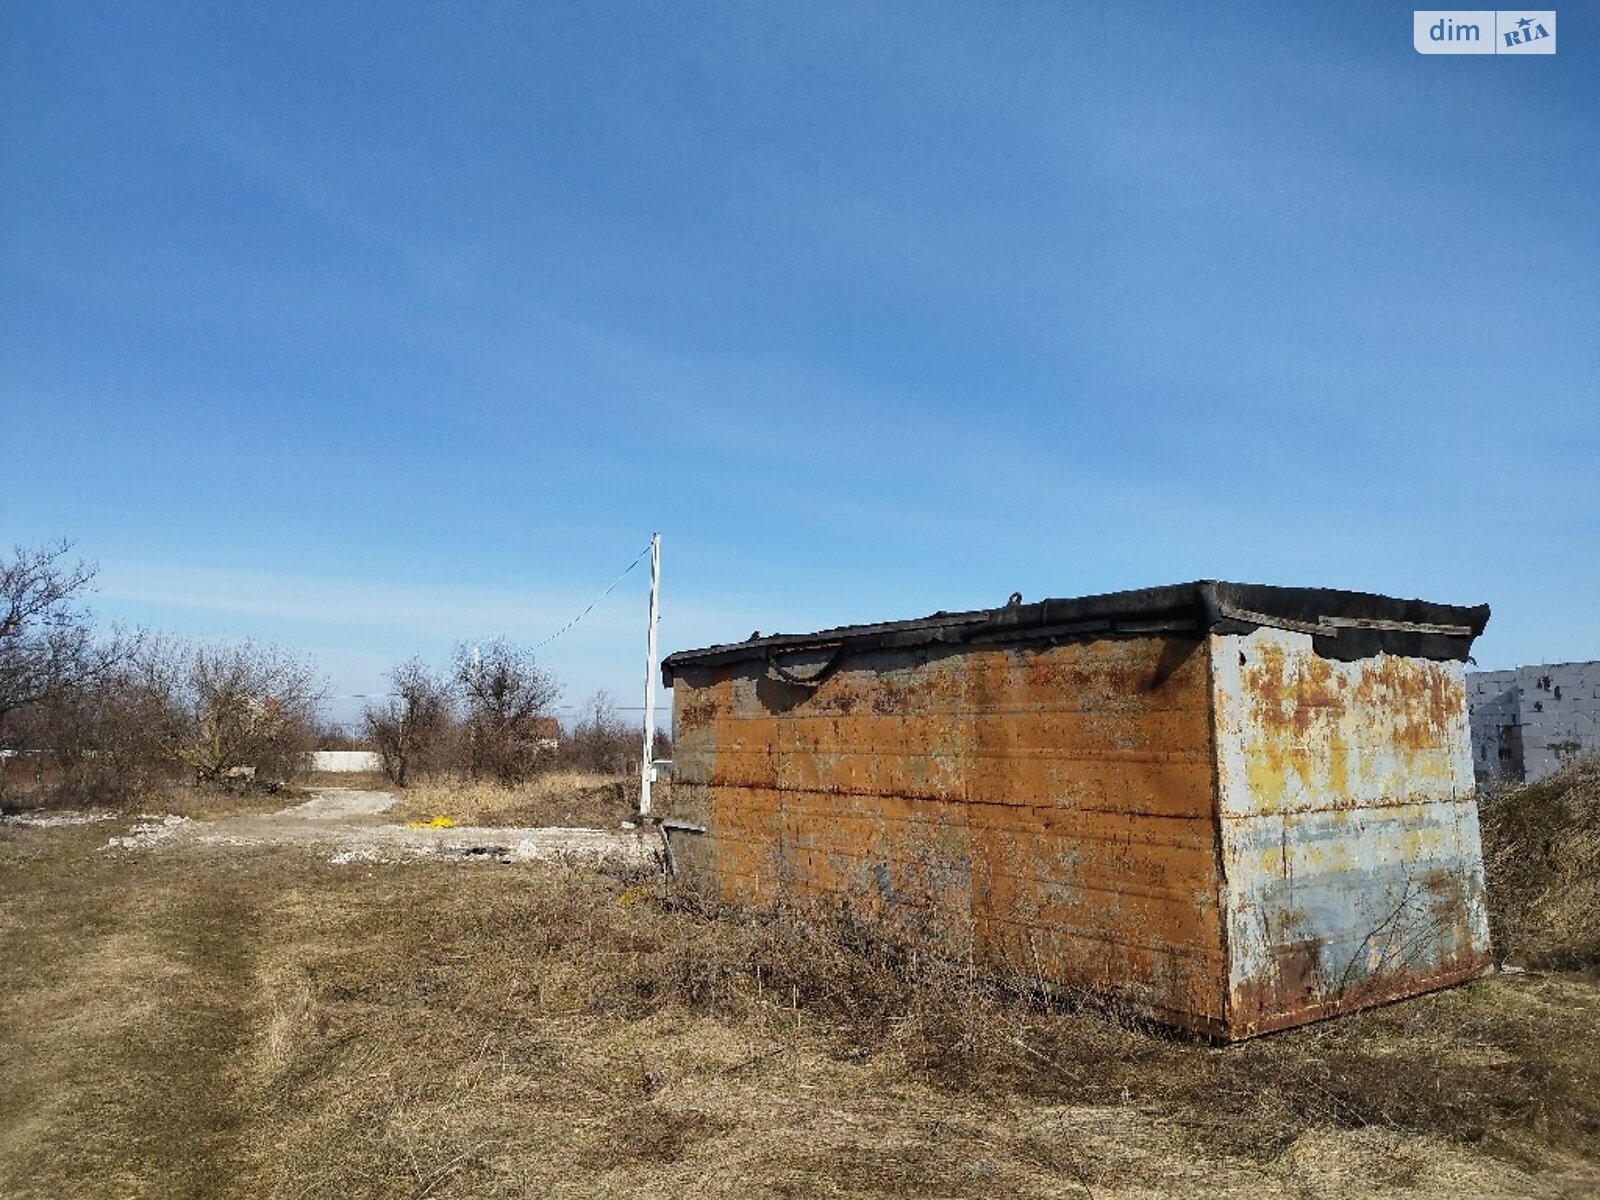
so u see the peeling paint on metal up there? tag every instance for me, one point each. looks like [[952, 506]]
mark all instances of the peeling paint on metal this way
[[1228, 829], [1349, 828], [1057, 796]]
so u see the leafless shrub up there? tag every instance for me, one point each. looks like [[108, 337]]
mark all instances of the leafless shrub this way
[[508, 699], [335, 735], [100, 734], [415, 729], [878, 987], [222, 708], [600, 741], [47, 643], [149, 709]]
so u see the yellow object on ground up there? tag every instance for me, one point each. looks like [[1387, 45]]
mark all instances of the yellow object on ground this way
[[431, 823]]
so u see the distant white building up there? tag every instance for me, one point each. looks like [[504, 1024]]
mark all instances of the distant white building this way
[[1529, 722]]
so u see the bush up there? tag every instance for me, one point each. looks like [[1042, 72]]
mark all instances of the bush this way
[[154, 709], [416, 729], [1541, 852], [220, 708], [100, 736], [600, 740], [508, 698], [46, 640]]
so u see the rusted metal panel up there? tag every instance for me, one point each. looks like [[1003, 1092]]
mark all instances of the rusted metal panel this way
[[1349, 828], [1055, 800], [1239, 807]]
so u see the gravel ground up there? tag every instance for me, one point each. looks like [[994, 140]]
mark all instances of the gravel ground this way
[[349, 824]]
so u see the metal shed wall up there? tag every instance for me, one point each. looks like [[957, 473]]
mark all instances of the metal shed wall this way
[[1349, 828], [1052, 802], [1240, 807]]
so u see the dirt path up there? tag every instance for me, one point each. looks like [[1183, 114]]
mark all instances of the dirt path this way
[[180, 1020], [349, 824]]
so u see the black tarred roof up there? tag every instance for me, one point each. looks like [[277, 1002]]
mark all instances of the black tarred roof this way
[[1343, 625]]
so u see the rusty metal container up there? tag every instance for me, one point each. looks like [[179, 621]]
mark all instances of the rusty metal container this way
[[1235, 807]]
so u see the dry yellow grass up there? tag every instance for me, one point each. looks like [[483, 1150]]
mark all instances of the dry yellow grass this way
[[199, 801], [573, 799], [1541, 848], [234, 1022], [375, 781]]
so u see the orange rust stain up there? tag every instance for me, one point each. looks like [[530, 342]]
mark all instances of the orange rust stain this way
[[1066, 786], [1056, 803], [1290, 696], [1422, 692], [1285, 1000], [695, 711], [1360, 732], [1351, 761]]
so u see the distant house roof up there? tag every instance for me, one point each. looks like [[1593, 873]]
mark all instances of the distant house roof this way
[[1344, 625]]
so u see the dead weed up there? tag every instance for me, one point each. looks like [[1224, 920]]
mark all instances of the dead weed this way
[[227, 1022], [570, 799], [1541, 851]]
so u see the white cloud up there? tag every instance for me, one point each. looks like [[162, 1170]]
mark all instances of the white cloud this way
[[322, 601]]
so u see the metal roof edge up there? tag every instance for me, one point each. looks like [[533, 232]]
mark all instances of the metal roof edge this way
[[1344, 624]]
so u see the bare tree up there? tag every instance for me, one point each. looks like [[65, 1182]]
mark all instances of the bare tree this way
[[230, 706], [332, 734], [508, 698], [601, 740], [46, 640], [101, 732], [412, 730], [47, 643]]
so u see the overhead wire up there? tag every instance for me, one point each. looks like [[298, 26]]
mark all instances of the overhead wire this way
[[595, 601], [540, 645]]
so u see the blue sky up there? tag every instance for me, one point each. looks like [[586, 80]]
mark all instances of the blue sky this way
[[366, 328]]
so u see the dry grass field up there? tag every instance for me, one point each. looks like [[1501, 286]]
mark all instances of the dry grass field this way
[[203, 1020], [561, 798]]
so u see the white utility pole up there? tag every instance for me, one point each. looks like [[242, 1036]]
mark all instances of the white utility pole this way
[[647, 767]]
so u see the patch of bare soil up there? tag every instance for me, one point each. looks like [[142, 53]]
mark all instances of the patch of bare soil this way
[[356, 826], [250, 1020]]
